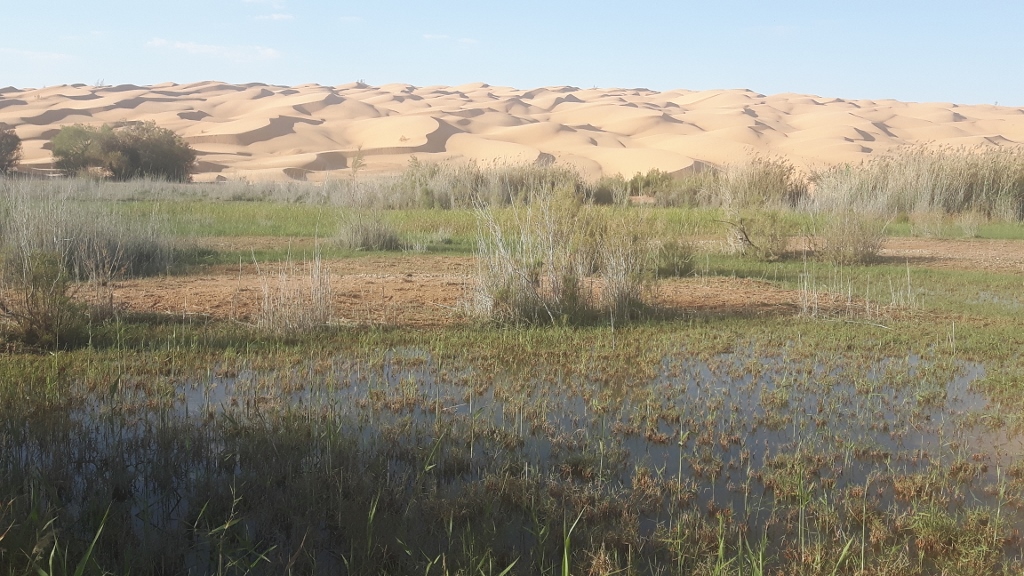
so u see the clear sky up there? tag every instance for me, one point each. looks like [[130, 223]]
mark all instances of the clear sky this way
[[968, 52]]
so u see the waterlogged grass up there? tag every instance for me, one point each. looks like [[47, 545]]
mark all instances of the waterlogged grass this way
[[877, 437], [696, 446]]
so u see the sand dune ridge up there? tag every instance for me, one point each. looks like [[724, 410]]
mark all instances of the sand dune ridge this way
[[305, 132]]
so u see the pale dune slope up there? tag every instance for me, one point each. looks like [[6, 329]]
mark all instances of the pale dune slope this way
[[259, 131]]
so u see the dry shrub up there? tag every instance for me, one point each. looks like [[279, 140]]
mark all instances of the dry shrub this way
[[849, 218], [52, 243], [690, 188], [849, 237], [763, 234], [95, 243], [625, 263], [970, 223], [930, 224], [445, 185]]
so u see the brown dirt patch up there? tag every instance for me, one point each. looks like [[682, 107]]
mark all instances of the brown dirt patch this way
[[396, 290], [990, 255], [428, 290]]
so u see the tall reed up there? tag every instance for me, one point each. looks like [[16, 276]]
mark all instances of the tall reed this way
[[299, 300], [557, 258], [923, 178]]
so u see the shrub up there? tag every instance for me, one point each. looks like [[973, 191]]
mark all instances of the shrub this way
[[764, 234], [36, 295], [610, 190], [10, 150], [675, 258], [77, 148], [123, 152], [849, 237], [691, 188], [653, 183]]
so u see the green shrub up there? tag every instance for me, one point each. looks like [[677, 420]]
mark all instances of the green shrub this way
[[10, 150], [675, 258], [124, 151], [653, 183], [610, 190], [36, 296]]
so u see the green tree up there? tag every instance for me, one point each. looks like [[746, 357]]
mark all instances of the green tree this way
[[78, 148], [134, 150], [650, 184], [10, 150]]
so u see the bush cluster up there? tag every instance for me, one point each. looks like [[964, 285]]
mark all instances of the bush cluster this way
[[124, 152]]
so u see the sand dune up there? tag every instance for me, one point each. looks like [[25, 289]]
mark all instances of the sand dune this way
[[309, 132]]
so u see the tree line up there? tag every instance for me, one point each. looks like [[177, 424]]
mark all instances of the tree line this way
[[121, 151]]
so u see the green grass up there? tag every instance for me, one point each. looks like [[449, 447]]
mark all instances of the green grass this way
[[993, 230]]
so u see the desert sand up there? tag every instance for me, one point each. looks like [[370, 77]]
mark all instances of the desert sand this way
[[313, 132]]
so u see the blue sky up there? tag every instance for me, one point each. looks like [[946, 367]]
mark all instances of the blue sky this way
[[939, 50]]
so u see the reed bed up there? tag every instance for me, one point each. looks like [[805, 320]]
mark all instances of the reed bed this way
[[52, 244]]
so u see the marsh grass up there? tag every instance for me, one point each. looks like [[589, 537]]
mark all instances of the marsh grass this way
[[556, 259], [334, 452], [849, 237], [368, 230], [988, 180], [759, 182], [53, 244]]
